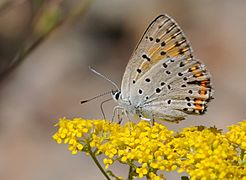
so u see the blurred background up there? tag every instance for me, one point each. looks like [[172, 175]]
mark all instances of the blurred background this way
[[46, 47]]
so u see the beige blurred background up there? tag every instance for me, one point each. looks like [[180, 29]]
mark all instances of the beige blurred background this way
[[54, 78]]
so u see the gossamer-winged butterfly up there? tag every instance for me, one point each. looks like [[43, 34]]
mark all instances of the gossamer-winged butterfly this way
[[163, 80]]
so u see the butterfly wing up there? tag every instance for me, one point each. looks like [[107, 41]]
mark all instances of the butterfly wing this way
[[162, 39], [173, 88]]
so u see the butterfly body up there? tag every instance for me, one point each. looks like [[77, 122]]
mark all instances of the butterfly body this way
[[163, 81]]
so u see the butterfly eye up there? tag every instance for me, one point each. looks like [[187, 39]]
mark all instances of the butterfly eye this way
[[117, 95]]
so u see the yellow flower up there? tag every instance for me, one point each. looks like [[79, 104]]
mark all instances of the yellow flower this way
[[237, 134], [107, 162], [142, 171], [149, 151]]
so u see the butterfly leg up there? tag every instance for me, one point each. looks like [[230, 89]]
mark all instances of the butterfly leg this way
[[153, 121], [116, 111], [120, 116], [127, 115]]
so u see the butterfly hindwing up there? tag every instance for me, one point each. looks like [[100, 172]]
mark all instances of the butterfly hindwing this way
[[173, 88]]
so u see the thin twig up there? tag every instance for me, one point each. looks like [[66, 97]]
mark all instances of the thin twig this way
[[130, 174], [28, 48], [97, 162]]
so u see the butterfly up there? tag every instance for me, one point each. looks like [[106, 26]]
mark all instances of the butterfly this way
[[163, 80]]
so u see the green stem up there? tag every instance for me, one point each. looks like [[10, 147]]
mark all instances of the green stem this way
[[130, 173], [242, 154], [97, 162]]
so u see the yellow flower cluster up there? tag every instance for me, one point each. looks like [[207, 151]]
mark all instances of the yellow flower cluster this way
[[152, 150], [237, 135]]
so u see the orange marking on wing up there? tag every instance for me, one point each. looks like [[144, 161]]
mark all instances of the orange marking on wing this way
[[180, 43], [193, 68], [157, 57], [177, 52], [198, 107], [184, 50], [169, 48], [145, 66], [174, 52], [154, 49], [202, 92], [204, 97], [168, 39], [198, 101], [204, 83], [198, 74]]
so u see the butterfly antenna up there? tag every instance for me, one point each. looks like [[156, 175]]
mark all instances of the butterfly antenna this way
[[104, 77], [87, 100]]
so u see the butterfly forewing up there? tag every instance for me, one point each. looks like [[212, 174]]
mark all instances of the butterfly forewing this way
[[162, 39]]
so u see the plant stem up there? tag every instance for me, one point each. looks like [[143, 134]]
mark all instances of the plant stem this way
[[130, 173], [97, 162], [242, 154], [32, 43]]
